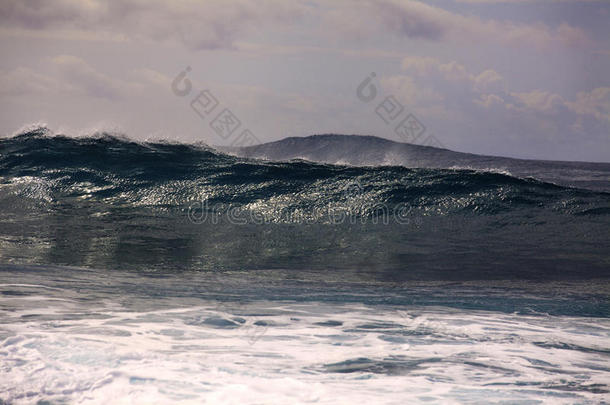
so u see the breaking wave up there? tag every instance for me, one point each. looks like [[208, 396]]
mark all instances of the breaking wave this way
[[108, 200]]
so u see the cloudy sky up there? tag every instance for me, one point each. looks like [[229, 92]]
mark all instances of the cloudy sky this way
[[522, 78]]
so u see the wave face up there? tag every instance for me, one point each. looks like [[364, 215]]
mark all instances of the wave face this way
[[109, 202]]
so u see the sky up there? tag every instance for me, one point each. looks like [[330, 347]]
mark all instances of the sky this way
[[519, 78]]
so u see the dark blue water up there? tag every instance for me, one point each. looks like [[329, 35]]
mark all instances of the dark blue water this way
[[109, 202], [133, 271]]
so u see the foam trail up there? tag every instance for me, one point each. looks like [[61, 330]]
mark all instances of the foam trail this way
[[277, 353]]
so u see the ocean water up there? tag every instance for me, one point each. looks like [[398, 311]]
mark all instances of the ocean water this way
[[161, 272]]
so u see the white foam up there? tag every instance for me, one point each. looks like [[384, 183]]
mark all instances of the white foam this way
[[216, 353]]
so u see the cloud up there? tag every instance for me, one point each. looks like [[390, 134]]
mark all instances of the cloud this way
[[476, 105], [208, 24], [489, 87], [489, 101], [489, 81], [216, 24], [411, 93], [24, 81], [74, 76], [538, 100], [418, 20], [451, 81], [595, 103], [85, 78], [148, 76]]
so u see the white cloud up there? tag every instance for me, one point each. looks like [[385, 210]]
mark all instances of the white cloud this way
[[489, 88], [538, 100], [595, 103], [476, 105], [409, 92], [489, 101], [489, 81]]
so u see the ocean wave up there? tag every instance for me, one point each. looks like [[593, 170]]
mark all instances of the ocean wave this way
[[113, 169], [111, 202]]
